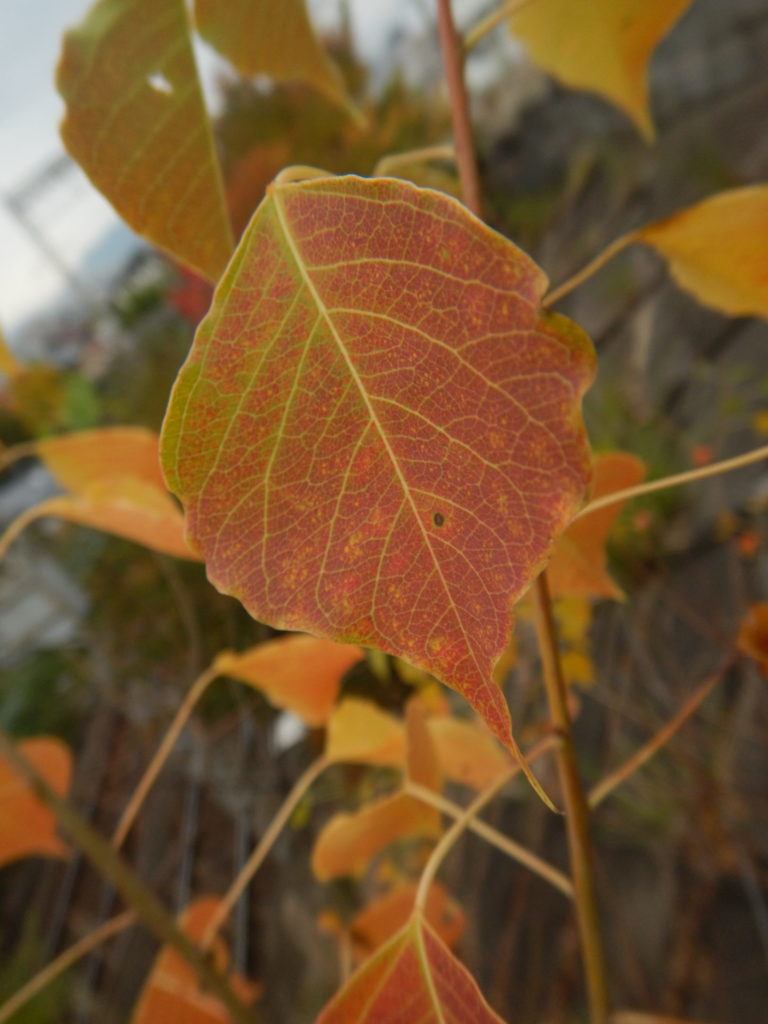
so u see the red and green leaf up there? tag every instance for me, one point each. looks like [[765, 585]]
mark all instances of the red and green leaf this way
[[377, 434], [415, 977]]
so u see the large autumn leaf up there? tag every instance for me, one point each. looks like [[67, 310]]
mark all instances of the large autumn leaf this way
[[114, 482], [377, 433], [603, 45], [273, 38], [299, 673], [136, 123], [718, 249], [415, 977], [28, 826]]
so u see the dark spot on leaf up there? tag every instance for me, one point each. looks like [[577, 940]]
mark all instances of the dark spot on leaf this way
[[438, 519]]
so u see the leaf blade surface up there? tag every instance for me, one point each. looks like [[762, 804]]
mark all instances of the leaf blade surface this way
[[604, 46], [376, 435], [414, 977], [274, 38], [136, 123]]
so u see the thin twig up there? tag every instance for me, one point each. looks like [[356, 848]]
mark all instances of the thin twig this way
[[265, 844], [591, 268], [64, 961], [453, 63], [599, 792], [161, 756], [460, 825], [576, 807], [689, 476], [491, 835]]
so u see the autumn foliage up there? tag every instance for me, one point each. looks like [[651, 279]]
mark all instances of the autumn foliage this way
[[376, 445]]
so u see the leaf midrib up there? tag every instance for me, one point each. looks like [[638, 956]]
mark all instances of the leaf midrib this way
[[324, 313]]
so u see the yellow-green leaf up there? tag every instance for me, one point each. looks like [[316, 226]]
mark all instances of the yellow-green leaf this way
[[136, 123], [273, 38], [718, 250], [602, 45]]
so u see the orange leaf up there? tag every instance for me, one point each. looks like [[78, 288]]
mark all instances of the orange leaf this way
[[358, 731], [467, 752], [116, 486], [172, 991], [752, 638], [578, 563], [299, 673], [81, 459], [718, 250], [377, 434], [27, 826], [387, 914], [273, 38], [347, 843], [414, 977], [136, 123], [602, 45]]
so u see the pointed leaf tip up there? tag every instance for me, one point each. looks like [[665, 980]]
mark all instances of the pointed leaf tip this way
[[377, 432], [718, 250], [604, 46]]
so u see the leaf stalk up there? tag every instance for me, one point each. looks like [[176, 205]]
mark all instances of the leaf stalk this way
[[576, 808]]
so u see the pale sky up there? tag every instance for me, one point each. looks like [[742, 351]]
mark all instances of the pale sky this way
[[74, 216]]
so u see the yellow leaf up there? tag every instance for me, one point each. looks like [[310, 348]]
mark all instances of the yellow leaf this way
[[136, 123], [718, 250], [760, 423], [358, 731], [602, 45], [299, 673], [578, 668], [467, 752], [27, 826], [113, 475], [273, 38], [81, 459]]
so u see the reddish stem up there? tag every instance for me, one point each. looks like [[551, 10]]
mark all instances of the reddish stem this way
[[453, 62]]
